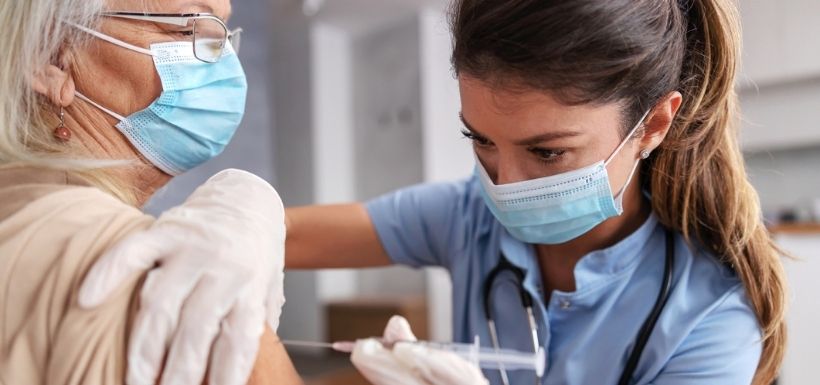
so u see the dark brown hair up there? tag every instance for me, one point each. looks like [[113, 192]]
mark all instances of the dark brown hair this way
[[634, 52]]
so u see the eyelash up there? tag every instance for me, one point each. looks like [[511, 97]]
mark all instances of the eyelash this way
[[547, 156], [543, 154], [477, 140]]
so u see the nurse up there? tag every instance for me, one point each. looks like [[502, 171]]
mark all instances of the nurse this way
[[606, 152], [609, 219]]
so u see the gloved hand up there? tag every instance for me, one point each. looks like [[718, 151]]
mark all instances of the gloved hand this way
[[410, 364], [216, 273]]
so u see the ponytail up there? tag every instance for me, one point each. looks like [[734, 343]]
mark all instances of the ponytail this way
[[698, 180], [635, 52]]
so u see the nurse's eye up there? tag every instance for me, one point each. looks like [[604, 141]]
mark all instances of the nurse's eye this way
[[477, 140], [547, 155]]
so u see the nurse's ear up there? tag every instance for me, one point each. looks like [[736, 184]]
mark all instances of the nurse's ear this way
[[658, 122], [55, 83]]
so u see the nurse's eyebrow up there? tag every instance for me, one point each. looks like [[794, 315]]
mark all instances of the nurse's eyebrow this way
[[546, 137], [470, 128], [467, 124], [533, 140]]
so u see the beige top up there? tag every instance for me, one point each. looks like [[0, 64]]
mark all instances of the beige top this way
[[52, 229]]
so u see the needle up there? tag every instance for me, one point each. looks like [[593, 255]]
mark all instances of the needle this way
[[308, 344], [344, 347]]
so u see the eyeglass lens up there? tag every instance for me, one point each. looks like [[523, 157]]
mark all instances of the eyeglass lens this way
[[209, 39]]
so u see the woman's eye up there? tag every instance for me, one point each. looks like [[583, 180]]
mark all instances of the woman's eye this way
[[185, 33], [547, 154], [477, 140]]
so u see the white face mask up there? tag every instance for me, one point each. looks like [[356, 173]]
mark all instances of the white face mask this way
[[557, 208]]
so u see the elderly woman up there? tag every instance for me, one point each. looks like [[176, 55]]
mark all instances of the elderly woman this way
[[103, 102]]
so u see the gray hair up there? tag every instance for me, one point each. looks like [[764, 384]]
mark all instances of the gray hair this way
[[35, 34]]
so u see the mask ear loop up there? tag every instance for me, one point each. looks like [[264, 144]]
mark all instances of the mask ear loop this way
[[103, 109], [619, 197], [112, 40], [628, 137], [116, 42]]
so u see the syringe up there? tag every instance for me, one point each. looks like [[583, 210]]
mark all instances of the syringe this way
[[483, 357]]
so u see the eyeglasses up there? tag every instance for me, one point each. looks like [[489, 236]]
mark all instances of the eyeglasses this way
[[209, 34]]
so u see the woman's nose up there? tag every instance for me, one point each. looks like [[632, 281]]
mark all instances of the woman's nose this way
[[509, 171]]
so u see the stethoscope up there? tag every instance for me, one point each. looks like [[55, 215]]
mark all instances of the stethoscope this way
[[526, 300]]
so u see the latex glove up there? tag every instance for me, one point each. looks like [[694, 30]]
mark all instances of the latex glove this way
[[219, 261], [410, 364]]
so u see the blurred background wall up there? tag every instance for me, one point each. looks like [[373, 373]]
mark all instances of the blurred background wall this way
[[780, 96], [350, 99]]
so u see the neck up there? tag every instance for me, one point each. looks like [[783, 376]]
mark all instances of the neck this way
[[94, 136], [558, 262]]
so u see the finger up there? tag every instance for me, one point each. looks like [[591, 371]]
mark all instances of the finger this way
[[398, 329], [378, 365], [136, 254], [161, 298], [236, 346], [438, 367], [202, 315]]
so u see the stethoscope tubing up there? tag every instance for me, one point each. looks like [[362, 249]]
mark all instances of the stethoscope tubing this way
[[526, 300], [652, 319]]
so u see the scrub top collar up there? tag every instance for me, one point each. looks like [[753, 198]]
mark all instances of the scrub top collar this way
[[594, 269]]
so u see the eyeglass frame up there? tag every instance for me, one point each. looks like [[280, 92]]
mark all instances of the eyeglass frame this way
[[181, 20]]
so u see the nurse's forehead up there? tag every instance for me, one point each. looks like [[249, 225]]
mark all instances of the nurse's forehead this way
[[522, 114]]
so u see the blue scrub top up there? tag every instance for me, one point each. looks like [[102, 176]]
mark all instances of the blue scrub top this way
[[706, 334]]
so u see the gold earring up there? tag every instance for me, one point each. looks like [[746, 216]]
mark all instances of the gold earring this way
[[62, 133]]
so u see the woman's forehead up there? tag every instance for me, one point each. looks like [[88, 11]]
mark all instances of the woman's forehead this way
[[487, 101], [530, 118]]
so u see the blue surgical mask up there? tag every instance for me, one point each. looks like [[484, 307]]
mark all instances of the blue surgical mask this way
[[558, 208], [197, 113]]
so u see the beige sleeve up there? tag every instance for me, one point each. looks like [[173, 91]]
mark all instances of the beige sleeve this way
[[46, 248]]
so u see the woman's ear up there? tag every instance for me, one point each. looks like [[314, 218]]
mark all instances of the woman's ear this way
[[54, 83], [659, 121]]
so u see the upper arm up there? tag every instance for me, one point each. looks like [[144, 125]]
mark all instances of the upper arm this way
[[724, 348], [273, 365], [418, 226]]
